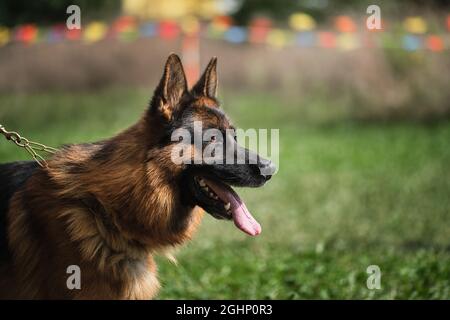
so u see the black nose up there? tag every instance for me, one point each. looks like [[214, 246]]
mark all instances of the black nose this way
[[266, 168]]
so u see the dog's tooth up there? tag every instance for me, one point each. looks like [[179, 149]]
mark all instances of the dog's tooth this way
[[202, 183], [227, 206], [205, 188], [216, 197], [211, 195]]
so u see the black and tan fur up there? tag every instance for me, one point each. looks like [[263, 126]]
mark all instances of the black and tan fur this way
[[109, 206]]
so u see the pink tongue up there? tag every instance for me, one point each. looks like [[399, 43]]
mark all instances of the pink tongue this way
[[241, 216]]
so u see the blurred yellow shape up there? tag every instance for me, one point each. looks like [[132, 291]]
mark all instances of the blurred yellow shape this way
[[415, 25], [277, 38], [4, 36], [347, 41], [190, 25], [302, 22], [204, 8], [170, 9], [95, 31]]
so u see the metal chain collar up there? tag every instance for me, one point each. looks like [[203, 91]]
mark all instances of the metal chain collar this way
[[30, 146]]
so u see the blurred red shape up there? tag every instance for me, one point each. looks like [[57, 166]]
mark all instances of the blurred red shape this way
[[168, 29], [26, 33], [124, 24], [435, 43], [327, 39], [345, 24], [448, 22], [222, 22], [259, 29], [73, 34]]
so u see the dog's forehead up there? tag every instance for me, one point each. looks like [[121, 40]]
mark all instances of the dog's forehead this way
[[208, 113]]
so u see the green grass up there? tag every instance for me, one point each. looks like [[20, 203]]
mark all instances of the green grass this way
[[347, 195]]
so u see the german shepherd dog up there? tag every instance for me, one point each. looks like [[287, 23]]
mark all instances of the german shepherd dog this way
[[108, 207]]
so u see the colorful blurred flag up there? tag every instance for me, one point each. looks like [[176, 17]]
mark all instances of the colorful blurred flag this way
[[168, 29], [73, 34], [305, 39], [190, 25], [327, 39], [171, 9], [219, 25], [259, 29], [415, 25], [5, 35], [148, 30], [435, 43], [411, 42], [344, 24], [95, 31], [56, 33], [27, 33], [125, 28], [222, 22], [347, 41], [236, 34], [278, 38], [302, 22], [124, 24]]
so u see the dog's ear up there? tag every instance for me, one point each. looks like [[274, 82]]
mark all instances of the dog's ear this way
[[171, 88], [207, 85]]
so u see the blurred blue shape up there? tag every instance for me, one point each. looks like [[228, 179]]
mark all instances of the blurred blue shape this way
[[236, 34], [54, 35], [305, 39], [148, 30], [411, 42]]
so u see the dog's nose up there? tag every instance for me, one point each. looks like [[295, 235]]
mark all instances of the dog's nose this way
[[266, 168]]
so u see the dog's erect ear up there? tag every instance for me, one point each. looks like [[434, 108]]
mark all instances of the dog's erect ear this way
[[207, 85], [171, 88]]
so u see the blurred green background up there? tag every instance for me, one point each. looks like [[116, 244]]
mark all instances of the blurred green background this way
[[364, 172]]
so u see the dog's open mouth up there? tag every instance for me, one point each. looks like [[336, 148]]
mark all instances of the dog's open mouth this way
[[225, 203]]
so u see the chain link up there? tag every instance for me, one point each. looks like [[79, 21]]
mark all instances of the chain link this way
[[30, 146]]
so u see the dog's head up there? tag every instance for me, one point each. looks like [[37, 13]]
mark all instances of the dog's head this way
[[203, 145]]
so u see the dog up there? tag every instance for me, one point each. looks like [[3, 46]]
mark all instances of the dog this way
[[107, 208]]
